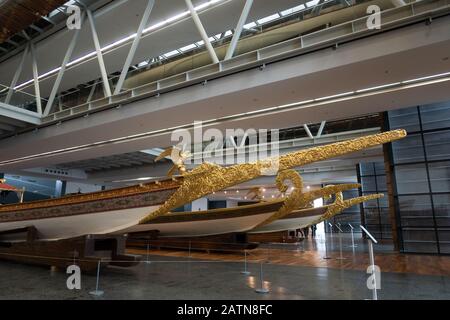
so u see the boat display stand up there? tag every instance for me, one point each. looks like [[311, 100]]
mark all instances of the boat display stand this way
[[220, 243], [275, 237], [84, 252]]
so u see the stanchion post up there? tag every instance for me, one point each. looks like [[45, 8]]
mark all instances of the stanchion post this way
[[353, 236], [245, 272], [190, 244], [372, 263], [341, 257], [371, 240], [326, 248], [302, 245], [262, 289], [148, 254], [97, 292]]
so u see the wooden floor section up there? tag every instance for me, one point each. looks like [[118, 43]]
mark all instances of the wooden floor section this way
[[388, 262]]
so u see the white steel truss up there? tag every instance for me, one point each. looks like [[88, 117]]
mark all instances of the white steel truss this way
[[134, 46], [202, 31]]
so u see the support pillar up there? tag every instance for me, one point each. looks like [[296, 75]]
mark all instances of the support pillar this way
[[390, 181]]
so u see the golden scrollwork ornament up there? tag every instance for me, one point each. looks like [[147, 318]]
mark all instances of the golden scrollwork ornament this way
[[208, 178]]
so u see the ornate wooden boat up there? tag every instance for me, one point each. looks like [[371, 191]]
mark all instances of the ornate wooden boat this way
[[73, 216], [210, 222], [302, 218], [249, 218], [123, 210], [231, 220], [296, 220]]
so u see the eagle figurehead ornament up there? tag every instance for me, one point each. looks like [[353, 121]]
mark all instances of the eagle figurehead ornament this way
[[178, 157]]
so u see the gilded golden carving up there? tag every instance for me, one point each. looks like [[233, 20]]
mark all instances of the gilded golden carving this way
[[295, 200], [299, 200], [340, 205], [256, 192], [178, 158], [208, 178]]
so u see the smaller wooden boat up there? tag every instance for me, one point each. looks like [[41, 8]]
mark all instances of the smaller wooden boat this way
[[210, 222], [304, 218], [262, 217], [296, 220]]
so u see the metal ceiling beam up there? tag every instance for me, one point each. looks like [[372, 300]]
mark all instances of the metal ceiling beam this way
[[12, 42], [92, 92], [13, 122], [13, 112], [308, 132], [16, 76], [322, 127], [202, 31], [104, 8], [134, 46], [238, 30], [7, 127], [98, 49], [48, 20], [61, 72], [37, 90], [33, 26]]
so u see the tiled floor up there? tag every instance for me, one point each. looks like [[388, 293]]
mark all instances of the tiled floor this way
[[289, 271], [311, 253]]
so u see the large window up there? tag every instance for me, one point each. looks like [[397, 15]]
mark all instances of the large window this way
[[421, 166], [375, 213]]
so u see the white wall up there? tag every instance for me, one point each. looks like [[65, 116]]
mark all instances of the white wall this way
[[200, 205], [232, 203], [75, 187]]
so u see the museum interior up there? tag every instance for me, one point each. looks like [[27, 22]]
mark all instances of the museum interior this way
[[225, 149]]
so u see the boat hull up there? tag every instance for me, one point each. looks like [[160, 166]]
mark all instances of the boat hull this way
[[90, 214], [203, 227], [296, 220], [209, 223], [101, 223]]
